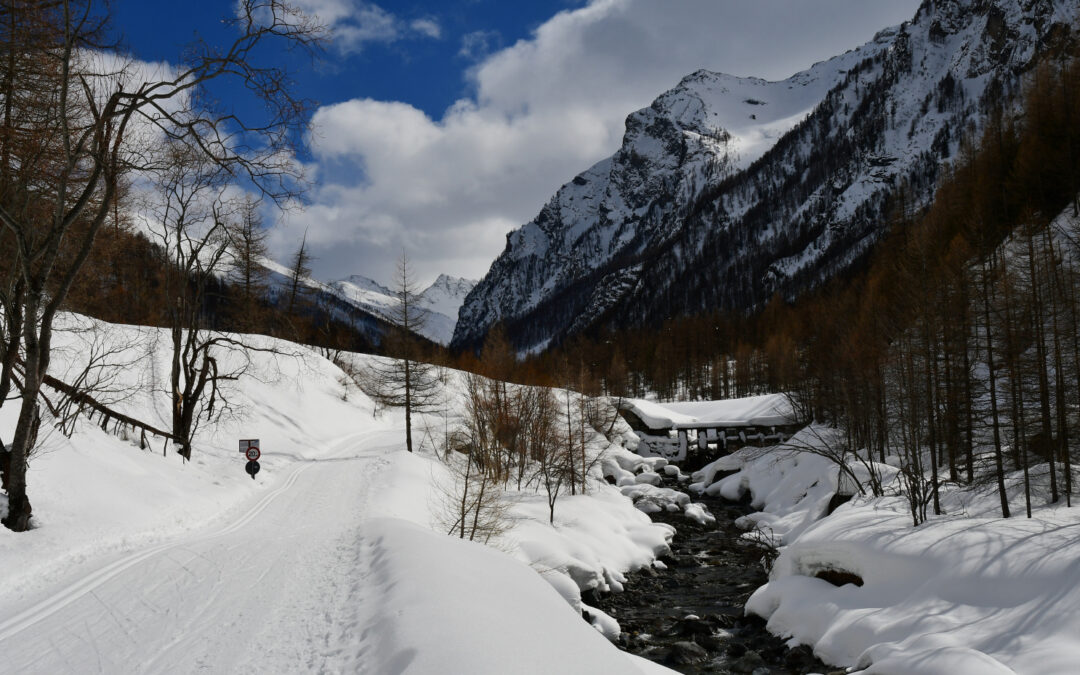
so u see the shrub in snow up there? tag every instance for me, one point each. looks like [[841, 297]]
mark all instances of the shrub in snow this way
[[473, 503]]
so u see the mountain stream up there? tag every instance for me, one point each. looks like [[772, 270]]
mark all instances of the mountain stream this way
[[689, 616]]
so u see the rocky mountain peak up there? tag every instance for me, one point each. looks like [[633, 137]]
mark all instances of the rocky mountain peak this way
[[729, 189]]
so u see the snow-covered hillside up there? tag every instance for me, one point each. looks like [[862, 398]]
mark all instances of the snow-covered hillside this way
[[326, 562], [729, 189]]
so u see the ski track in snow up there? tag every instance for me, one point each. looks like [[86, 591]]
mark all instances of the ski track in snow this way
[[277, 589]]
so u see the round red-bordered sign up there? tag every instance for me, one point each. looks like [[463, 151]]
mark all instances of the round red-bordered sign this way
[[253, 454]]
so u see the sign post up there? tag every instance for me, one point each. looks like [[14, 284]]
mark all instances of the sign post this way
[[249, 447]]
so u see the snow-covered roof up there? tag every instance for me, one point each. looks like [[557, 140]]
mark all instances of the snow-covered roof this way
[[767, 410]]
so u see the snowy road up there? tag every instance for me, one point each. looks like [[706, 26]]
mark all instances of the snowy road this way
[[276, 589]]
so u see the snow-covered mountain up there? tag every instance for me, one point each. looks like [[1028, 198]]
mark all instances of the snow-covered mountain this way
[[445, 296], [440, 301], [727, 190], [365, 293], [368, 305]]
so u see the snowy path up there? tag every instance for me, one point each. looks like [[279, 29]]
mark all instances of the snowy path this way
[[276, 589]]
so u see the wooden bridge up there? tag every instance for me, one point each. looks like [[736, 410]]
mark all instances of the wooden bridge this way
[[696, 432]]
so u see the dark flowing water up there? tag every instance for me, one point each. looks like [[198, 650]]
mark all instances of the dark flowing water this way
[[689, 617]]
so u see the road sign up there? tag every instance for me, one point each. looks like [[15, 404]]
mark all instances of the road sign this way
[[253, 454], [252, 468], [246, 443]]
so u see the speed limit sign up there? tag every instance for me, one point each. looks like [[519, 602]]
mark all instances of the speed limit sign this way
[[249, 447]]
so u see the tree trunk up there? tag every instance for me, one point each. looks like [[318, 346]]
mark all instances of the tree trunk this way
[[1044, 383], [408, 406], [15, 317], [174, 381], [930, 370], [998, 463], [1059, 367], [37, 349], [969, 451]]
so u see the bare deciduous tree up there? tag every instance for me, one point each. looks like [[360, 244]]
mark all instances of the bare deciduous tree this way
[[473, 503], [188, 214], [99, 361], [77, 120]]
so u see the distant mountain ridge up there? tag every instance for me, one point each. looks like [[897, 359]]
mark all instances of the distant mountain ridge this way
[[368, 304], [727, 190], [440, 301]]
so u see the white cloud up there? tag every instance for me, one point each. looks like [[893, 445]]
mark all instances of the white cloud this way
[[353, 24], [477, 44], [542, 110], [427, 27]]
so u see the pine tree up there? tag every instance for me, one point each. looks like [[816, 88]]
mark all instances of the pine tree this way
[[249, 277], [299, 269]]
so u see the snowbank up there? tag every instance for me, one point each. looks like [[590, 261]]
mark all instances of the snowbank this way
[[596, 539], [789, 486], [981, 595], [448, 605], [638, 479], [964, 593]]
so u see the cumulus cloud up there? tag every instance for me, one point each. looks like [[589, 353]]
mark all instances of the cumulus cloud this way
[[540, 111]]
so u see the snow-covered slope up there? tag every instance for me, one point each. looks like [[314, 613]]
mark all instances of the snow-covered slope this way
[[727, 190], [326, 561], [365, 293], [360, 316]]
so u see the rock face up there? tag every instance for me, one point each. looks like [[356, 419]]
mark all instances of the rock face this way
[[727, 190]]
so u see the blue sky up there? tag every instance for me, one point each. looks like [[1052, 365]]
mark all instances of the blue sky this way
[[444, 125], [424, 68]]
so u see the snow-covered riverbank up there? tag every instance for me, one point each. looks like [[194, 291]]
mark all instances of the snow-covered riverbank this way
[[967, 592]]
